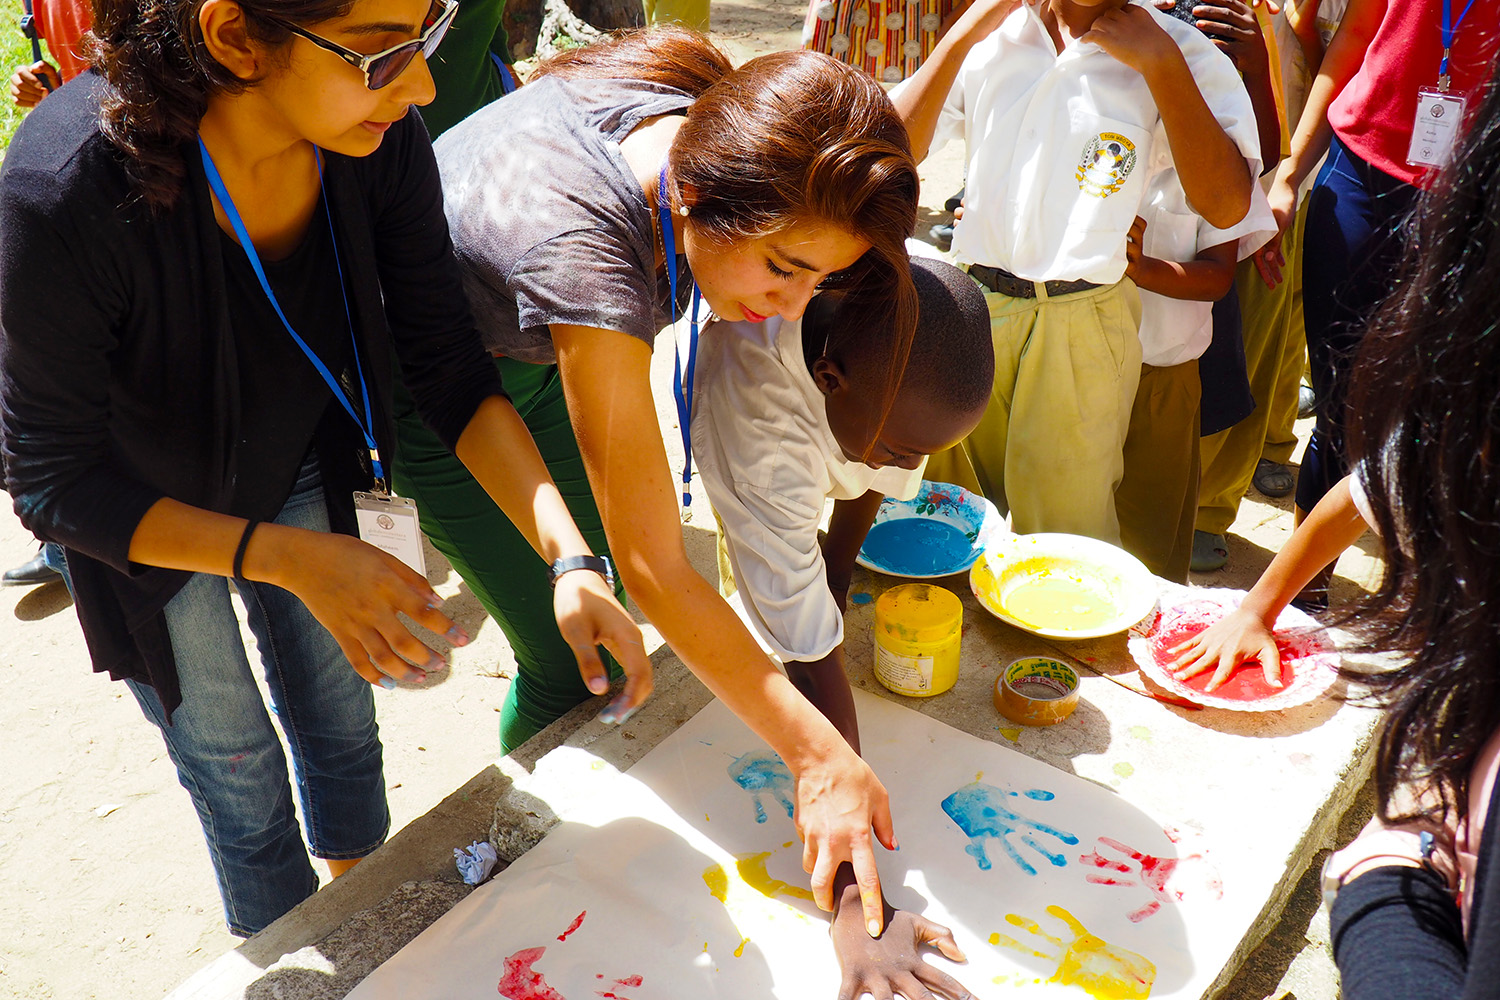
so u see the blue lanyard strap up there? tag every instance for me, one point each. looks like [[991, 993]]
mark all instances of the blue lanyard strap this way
[[366, 426], [1450, 31], [682, 388], [507, 75]]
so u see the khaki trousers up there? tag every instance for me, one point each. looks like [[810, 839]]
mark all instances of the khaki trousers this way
[[1049, 448], [1157, 501], [1275, 357]]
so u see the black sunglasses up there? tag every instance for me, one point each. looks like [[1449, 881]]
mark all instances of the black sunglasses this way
[[383, 67]]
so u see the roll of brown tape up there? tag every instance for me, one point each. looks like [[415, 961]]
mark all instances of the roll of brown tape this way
[[1036, 691]]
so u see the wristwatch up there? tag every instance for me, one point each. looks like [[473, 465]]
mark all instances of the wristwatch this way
[[567, 564]]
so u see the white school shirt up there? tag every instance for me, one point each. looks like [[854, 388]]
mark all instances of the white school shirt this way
[[769, 461], [1059, 146], [1175, 331]]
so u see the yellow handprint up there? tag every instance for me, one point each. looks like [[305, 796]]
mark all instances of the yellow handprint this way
[[1095, 966]]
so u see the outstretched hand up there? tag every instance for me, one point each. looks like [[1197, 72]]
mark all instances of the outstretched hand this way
[[355, 590], [838, 804], [892, 964], [1237, 638], [588, 616]]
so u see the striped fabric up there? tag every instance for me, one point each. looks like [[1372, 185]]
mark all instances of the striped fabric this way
[[886, 38]]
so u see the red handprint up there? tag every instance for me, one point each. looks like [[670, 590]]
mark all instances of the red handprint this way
[[1169, 879]]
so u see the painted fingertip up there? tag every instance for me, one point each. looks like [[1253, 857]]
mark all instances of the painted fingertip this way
[[598, 685], [389, 683], [456, 636], [873, 926]]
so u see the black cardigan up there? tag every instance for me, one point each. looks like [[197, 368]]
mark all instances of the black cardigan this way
[[118, 380]]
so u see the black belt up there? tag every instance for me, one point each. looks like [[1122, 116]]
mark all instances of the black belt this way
[[998, 279]]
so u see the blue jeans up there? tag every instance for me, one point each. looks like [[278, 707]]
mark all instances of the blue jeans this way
[[1350, 258], [225, 747]]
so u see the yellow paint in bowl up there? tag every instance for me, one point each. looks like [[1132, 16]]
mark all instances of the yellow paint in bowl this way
[[1054, 601], [1062, 586]]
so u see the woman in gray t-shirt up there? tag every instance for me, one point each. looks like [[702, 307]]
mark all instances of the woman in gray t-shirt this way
[[775, 177]]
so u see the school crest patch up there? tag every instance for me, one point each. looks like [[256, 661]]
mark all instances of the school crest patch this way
[[1105, 165]]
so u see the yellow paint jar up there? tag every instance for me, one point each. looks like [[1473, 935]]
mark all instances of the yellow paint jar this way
[[917, 630]]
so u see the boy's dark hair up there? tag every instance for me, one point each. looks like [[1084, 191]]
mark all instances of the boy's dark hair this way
[[951, 356]]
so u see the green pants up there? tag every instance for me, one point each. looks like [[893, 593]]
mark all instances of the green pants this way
[[493, 557]]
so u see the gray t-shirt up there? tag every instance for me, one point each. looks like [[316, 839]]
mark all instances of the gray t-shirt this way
[[549, 222]]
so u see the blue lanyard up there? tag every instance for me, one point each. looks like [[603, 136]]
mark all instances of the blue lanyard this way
[[366, 426], [1450, 32], [507, 75], [681, 389]]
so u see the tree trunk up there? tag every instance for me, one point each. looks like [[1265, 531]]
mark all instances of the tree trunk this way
[[524, 21], [609, 15]]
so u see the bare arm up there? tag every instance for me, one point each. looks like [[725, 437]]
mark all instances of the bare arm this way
[[355, 589], [1206, 278], [1334, 525], [1214, 173], [606, 379], [847, 529], [920, 101]]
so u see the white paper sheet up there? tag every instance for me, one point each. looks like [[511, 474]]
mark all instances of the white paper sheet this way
[[1057, 905]]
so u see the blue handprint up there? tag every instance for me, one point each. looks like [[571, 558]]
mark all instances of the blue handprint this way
[[980, 811], [761, 772]]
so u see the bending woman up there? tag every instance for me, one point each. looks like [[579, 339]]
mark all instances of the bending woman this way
[[161, 421], [774, 177]]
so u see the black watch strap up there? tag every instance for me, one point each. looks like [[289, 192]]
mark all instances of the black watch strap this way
[[567, 564]]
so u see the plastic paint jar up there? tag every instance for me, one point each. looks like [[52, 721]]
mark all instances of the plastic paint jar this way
[[917, 630]]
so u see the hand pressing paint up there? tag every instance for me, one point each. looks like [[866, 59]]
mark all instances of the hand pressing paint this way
[[984, 811], [1169, 879], [1100, 969], [761, 772]]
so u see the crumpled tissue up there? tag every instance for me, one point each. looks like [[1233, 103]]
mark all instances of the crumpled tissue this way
[[475, 861]]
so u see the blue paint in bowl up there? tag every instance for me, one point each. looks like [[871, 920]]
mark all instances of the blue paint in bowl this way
[[916, 546], [937, 533]]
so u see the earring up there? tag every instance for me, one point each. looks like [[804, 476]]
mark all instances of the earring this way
[[682, 210]]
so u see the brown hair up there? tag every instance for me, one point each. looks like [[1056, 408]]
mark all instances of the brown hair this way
[[788, 137], [161, 77]]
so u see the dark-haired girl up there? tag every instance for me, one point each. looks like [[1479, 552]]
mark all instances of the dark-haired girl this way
[[207, 256], [575, 203], [1417, 912]]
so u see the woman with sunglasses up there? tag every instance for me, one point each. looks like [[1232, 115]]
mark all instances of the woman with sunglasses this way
[[208, 254]]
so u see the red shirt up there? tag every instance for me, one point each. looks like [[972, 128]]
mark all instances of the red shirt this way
[[1376, 110], [62, 23]]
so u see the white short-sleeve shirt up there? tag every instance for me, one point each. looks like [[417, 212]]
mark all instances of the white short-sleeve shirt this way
[[1175, 331], [1060, 146], [769, 461]]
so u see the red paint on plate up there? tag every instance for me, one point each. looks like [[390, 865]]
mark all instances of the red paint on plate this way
[[1248, 682]]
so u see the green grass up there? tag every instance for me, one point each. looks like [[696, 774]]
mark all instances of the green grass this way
[[15, 51]]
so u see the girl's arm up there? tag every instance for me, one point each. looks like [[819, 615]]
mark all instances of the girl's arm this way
[[499, 451], [1313, 134], [919, 102], [1246, 633], [606, 380]]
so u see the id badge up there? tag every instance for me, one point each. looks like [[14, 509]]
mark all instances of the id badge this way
[[390, 524], [1439, 117]]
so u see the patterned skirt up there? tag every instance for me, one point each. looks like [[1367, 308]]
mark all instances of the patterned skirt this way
[[886, 38]]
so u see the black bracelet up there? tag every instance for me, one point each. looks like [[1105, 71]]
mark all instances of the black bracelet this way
[[239, 553]]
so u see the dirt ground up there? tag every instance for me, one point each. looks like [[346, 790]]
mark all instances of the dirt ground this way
[[105, 886]]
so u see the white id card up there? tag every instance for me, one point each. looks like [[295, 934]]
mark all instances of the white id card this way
[[390, 524], [1439, 116]]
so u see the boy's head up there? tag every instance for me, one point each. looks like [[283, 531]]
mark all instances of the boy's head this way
[[938, 397]]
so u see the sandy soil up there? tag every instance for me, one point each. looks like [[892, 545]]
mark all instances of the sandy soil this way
[[105, 886]]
